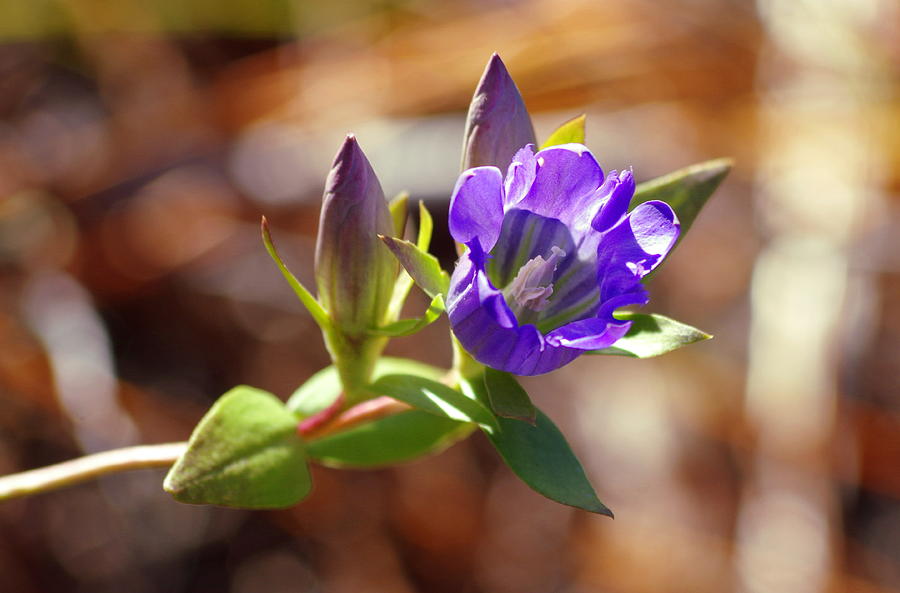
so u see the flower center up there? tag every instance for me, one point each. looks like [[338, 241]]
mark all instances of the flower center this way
[[531, 288]]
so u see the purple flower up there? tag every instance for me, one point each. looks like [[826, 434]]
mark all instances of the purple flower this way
[[552, 253]]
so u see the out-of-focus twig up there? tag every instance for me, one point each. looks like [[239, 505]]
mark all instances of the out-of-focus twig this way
[[85, 468]]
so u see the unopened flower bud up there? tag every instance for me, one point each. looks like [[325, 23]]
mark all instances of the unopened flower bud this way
[[498, 124], [355, 273]]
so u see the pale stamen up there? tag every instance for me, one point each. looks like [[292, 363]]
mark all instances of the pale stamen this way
[[531, 288]]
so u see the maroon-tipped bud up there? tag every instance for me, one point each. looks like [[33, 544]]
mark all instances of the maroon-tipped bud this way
[[498, 123], [355, 274]]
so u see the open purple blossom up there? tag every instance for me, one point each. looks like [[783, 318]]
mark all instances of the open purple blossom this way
[[553, 252]]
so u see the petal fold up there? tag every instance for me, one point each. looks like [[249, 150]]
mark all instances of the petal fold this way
[[520, 176], [615, 194], [594, 333], [565, 184], [476, 207], [481, 325], [634, 247]]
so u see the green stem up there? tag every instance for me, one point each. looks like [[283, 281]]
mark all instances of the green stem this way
[[355, 358], [88, 467]]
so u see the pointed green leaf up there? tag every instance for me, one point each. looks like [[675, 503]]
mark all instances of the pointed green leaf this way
[[507, 397], [651, 335], [324, 387], [309, 301], [406, 327], [421, 265], [244, 453], [426, 227], [399, 208], [436, 398], [389, 440], [568, 132], [542, 458], [685, 190]]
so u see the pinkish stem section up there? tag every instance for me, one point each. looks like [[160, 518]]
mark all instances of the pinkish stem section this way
[[316, 421], [329, 420]]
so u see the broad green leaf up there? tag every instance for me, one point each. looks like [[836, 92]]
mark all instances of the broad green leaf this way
[[651, 335], [316, 394], [324, 387], [568, 132], [507, 397], [436, 398], [399, 207], [406, 327], [685, 190], [309, 301], [541, 457], [244, 453], [389, 440], [421, 265]]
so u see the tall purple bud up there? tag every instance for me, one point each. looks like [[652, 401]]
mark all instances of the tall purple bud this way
[[354, 272], [498, 124]]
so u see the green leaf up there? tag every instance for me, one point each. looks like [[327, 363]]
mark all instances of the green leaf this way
[[244, 453], [685, 190], [389, 440], [324, 387], [507, 397], [570, 131], [309, 301], [406, 327], [651, 335], [435, 398], [421, 265], [399, 207], [541, 457]]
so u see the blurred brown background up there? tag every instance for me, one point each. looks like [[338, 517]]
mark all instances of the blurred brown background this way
[[141, 141]]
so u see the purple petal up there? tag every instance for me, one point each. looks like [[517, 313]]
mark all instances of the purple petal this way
[[520, 175], [483, 324], [634, 247], [617, 191], [655, 228], [523, 236], [476, 207], [594, 333], [565, 185]]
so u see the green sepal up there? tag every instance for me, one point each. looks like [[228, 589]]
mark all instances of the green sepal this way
[[399, 208], [685, 190], [426, 227], [406, 327], [421, 265], [404, 283], [541, 457], [436, 398], [244, 453], [392, 439], [569, 132], [309, 301], [651, 335], [507, 398], [320, 390]]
